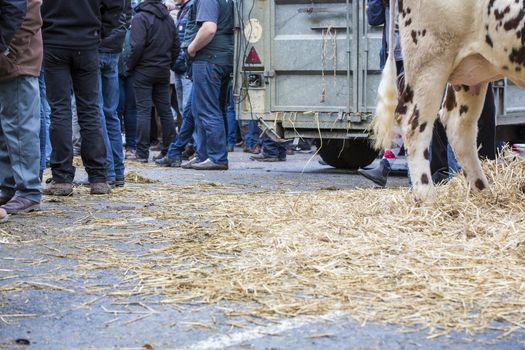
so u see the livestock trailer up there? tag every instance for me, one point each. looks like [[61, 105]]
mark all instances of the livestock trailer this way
[[310, 69]]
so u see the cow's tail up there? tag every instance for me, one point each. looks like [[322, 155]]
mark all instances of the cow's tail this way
[[384, 120]]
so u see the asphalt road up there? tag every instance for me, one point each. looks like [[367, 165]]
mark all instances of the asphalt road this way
[[47, 301]]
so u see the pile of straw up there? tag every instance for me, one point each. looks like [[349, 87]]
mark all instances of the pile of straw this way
[[456, 263], [134, 177]]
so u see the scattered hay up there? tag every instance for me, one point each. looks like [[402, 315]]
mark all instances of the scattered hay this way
[[456, 263], [134, 177]]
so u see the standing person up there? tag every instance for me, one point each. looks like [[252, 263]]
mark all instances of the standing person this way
[[211, 49], [20, 61], [183, 87], [127, 105], [72, 34], [378, 13], [231, 121], [109, 52], [155, 46], [183, 83], [45, 146]]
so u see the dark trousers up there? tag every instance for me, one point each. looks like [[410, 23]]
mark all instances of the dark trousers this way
[[128, 110], [149, 91], [66, 71]]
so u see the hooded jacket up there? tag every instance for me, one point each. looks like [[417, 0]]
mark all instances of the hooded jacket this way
[[114, 41], [25, 50], [155, 42], [79, 24]]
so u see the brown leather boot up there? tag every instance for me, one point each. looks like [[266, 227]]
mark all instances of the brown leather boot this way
[[18, 205]]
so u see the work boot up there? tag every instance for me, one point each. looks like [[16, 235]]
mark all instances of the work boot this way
[[100, 188], [261, 157], [169, 162], [209, 164], [188, 153], [53, 188], [18, 205], [117, 183], [379, 174], [3, 215], [441, 177], [4, 199]]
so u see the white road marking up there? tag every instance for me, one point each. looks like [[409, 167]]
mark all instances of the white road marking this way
[[227, 340]]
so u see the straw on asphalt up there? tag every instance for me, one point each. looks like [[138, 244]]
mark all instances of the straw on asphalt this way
[[454, 263]]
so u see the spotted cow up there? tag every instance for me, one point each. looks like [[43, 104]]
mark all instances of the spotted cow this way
[[461, 45]]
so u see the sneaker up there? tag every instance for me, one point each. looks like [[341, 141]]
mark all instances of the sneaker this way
[[155, 147], [208, 164], [261, 157], [379, 174], [158, 156], [100, 188], [189, 164], [53, 188], [3, 215], [19, 205], [131, 154]]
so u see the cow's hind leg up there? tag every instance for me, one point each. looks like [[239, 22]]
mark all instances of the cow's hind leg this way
[[417, 124], [459, 115]]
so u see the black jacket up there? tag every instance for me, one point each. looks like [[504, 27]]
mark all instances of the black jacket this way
[[79, 24], [12, 14], [155, 42], [115, 39]]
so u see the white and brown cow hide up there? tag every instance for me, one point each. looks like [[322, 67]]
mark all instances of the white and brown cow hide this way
[[459, 44]]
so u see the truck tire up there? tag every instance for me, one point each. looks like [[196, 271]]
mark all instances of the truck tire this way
[[347, 154]]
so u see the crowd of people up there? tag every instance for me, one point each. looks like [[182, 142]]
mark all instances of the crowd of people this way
[[77, 75]]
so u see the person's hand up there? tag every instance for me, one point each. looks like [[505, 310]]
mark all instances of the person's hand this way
[[191, 50], [170, 5]]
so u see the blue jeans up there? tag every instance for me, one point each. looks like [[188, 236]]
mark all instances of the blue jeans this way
[[45, 110], [252, 134], [19, 128], [108, 100], [231, 118], [273, 149], [183, 86], [209, 100], [187, 130], [128, 108], [453, 165]]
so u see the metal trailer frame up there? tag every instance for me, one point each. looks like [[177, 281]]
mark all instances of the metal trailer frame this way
[[285, 34]]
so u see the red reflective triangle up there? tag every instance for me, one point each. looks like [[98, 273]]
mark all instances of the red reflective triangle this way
[[253, 57]]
